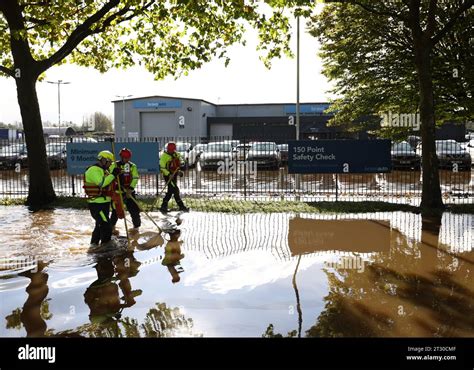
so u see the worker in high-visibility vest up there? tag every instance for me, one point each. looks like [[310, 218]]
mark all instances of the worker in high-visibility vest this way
[[98, 188], [128, 182], [170, 164]]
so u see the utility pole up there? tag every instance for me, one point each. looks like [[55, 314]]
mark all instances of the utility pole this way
[[123, 97], [59, 83], [297, 179]]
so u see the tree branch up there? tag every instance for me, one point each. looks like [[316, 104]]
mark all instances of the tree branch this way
[[379, 12], [77, 36], [431, 18], [448, 26], [7, 71], [414, 19]]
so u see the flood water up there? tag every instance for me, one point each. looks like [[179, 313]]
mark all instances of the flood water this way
[[377, 274]]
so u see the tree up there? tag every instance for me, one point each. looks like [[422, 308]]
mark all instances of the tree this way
[[100, 122], [168, 38], [408, 55]]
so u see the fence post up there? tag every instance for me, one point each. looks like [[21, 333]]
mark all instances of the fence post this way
[[157, 176], [72, 176], [245, 169]]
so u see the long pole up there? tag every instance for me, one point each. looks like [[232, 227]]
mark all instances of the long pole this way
[[121, 197], [298, 78], [59, 83], [297, 180], [123, 112]]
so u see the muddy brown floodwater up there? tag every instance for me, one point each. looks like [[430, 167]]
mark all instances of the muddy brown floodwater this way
[[377, 274]]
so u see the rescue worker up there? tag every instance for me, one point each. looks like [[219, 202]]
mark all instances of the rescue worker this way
[[98, 188], [128, 181], [170, 164]]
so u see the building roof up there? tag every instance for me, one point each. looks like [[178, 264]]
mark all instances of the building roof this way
[[208, 102]]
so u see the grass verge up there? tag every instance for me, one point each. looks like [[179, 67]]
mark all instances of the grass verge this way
[[240, 206]]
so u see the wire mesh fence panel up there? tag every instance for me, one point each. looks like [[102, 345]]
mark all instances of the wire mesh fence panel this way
[[219, 167]]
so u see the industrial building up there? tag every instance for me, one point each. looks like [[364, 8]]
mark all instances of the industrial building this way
[[173, 117], [160, 116]]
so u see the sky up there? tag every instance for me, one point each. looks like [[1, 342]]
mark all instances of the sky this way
[[245, 80]]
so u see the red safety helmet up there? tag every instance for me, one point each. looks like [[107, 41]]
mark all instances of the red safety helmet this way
[[125, 153], [171, 147]]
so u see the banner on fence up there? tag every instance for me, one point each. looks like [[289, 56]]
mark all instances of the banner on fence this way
[[339, 156], [82, 155]]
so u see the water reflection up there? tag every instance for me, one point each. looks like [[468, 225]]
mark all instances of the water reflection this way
[[173, 256], [407, 289], [103, 295], [34, 313], [376, 274]]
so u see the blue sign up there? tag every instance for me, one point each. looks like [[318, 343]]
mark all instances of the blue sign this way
[[306, 108], [157, 104], [339, 156], [82, 155]]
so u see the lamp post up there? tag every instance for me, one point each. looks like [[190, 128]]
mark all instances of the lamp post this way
[[297, 179], [59, 83], [123, 97]]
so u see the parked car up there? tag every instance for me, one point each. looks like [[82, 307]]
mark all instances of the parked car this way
[[216, 152], [469, 147], [403, 156], [266, 154], [241, 151], [184, 149], [450, 152], [470, 136], [283, 148], [57, 155], [233, 143], [12, 154], [195, 153]]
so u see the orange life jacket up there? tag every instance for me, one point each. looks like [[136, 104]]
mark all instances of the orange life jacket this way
[[93, 191]]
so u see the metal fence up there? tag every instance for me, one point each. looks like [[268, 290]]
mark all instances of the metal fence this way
[[219, 167]]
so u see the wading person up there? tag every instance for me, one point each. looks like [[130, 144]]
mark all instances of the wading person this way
[[128, 181], [170, 164], [98, 188]]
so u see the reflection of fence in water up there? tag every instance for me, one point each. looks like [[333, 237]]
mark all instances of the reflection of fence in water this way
[[221, 235]]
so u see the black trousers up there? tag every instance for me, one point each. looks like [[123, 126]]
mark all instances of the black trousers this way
[[103, 229], [132, 209], [173, 190]]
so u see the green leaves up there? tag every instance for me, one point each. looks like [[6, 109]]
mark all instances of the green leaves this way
[[168, 37], [371, 59]]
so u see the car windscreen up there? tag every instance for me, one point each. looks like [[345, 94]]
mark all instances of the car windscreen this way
[[11, 150], [448, 146], [182, 147], [200, 147], [402, 147], [218, 147], [54, 148], [261, 147]]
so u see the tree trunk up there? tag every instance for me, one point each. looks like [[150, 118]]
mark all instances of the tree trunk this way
[[40, 189], [431, 193]]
